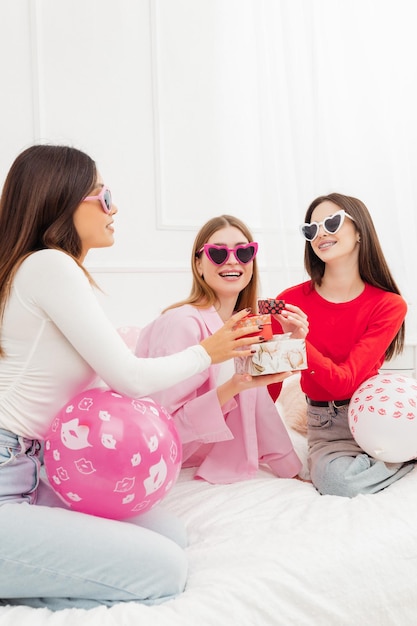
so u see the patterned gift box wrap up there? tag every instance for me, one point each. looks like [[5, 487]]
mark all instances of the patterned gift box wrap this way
[[281, 354], [263, 322], [270, 305]]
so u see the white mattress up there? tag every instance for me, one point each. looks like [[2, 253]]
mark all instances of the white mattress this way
[[274, 552]]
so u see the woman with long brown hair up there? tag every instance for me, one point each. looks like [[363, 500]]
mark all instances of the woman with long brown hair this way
[[355, 318], [55, 341]]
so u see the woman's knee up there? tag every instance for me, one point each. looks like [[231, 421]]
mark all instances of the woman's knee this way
[[341, 476], [178, 572], [164, 523], [169, 572]]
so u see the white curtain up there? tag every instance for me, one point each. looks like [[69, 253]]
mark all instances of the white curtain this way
[[278, 101], [194, 108], [339, 90]]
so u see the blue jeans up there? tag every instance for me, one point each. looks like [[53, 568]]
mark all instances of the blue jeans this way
[[53, 557], [338, 466]]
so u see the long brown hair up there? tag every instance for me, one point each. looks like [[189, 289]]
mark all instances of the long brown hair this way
[[201, 295], [373, 267], [42, 190]]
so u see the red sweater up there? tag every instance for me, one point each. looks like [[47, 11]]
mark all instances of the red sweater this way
[[347, 341]]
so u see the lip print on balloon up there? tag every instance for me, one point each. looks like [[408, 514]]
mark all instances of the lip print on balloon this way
[[382, 417], [157, 476], [84, 466], [74, 435], [112, 456]]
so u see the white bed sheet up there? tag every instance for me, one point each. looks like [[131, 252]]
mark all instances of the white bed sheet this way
[[274, 552]]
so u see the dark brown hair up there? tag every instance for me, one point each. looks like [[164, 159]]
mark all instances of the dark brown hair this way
[[42, 190], [373, 267]]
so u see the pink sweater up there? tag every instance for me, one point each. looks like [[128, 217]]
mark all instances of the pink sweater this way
[[225, 443]]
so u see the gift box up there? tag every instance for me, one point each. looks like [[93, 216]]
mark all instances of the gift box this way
[[281, 354], [270, 305], [258, 320]]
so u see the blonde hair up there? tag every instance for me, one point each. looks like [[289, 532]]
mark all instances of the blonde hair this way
[[201, 295]]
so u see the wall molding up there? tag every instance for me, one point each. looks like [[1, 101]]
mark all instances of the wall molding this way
[[168, 269], [161, 221]]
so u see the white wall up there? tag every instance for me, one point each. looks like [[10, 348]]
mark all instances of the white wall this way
[[193, 108]]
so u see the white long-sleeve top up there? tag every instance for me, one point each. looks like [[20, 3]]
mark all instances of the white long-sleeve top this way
[[58, 340]]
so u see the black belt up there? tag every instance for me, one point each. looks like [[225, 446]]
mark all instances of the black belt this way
[[335, 403]]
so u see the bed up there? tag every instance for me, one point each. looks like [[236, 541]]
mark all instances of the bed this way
[[274, 552]]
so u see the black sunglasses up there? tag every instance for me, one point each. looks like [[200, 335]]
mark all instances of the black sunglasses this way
[[244, 253]]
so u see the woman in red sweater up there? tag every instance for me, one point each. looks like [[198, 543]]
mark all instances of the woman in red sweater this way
[[355, 322]]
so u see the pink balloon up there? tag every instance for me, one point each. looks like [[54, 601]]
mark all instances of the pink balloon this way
[[383, 417], [112, 456]]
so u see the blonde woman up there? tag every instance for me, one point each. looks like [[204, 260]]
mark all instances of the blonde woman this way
[[227, 422]]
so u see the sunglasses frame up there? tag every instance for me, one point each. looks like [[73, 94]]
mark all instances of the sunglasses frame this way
[[342, 214], [235, 250], [104, 190]]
